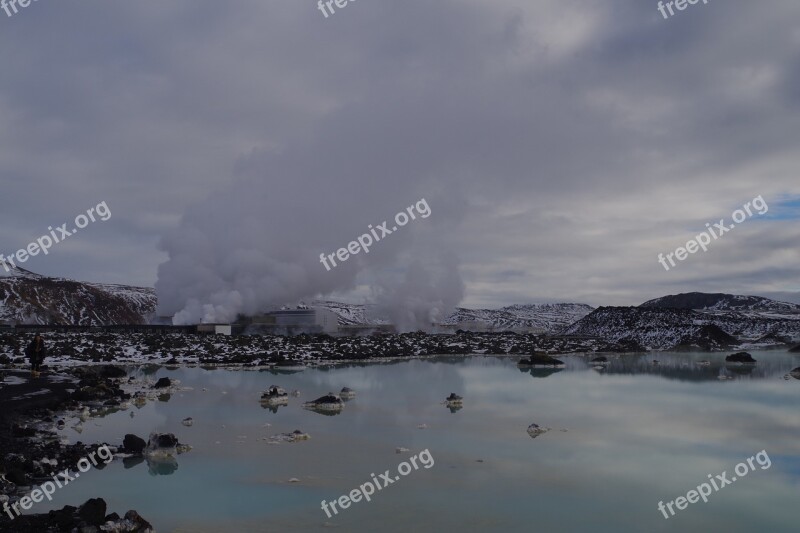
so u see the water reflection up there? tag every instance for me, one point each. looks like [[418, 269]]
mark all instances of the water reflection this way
[[643, 432], [540, 372], [163, 466]]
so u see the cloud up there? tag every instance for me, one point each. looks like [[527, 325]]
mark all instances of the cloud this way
[[569, 141]]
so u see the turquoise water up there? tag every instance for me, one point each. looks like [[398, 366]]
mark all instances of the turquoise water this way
[[636, 434]]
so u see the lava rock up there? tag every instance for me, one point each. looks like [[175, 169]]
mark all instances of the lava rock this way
[[534, 430], [134, 444], [162, 440], [454, 398], [740, 357], [93, 512], [540, 360], [329, 402], [17, 476], [162, 383], [138, 522]]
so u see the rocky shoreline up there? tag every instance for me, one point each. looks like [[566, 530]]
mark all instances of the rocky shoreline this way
[[69, 348], [31, 412]]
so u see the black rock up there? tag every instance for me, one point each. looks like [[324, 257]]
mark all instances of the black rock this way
[[328, 398], [163, 440], [93, 512], [140, 523], [796, 349], [19, 431], [740, 357], [17, 476], [162, 383], [133, 444], [540, 359], [600, 359]]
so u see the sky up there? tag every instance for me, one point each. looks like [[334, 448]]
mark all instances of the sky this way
[[560, 145]]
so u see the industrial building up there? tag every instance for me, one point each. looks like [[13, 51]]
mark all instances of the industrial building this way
[[294, 322]]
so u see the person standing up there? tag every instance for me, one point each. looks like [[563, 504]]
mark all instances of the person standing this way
[[36, 352]]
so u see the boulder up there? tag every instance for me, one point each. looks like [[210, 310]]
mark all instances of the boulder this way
[[162, 440], [162, 383], [534, 430], [133, 444], [540, 360], [740, 357], [275, 395], [93, 512], [139, 524], [329, 402], [454, 399]]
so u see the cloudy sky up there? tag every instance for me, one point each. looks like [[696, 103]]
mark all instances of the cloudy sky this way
[[560, 144]]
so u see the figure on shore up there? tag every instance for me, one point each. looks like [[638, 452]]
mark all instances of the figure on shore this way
[[36, 352]]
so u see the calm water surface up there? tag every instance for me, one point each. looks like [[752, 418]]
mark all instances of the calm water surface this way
[[622, 439]]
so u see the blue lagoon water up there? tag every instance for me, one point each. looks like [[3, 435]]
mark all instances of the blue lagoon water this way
[[622, 439]]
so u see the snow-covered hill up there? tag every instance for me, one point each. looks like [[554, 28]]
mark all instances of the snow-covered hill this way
[[723, 302], [29, 298], [721, 320], [549, 318]]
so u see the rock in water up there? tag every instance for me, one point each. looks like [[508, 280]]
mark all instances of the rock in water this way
[[162, 383], [275, 396], [534, 430], [133, 444], [795, 373], [454, 399], [162, 445], [329, 402], [347, 393], [187, 421], [538, 359], [93, 511], [294, 436], [740, 357]]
